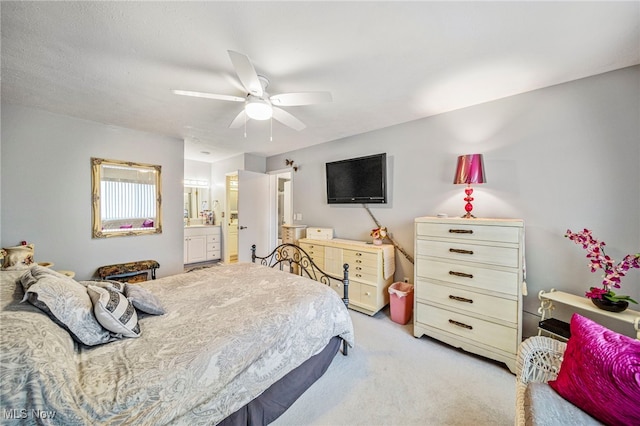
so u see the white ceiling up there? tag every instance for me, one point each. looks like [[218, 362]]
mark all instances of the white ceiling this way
[[384, 62]]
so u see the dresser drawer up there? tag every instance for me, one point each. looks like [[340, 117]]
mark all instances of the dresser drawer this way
[[493, 280], [470, 232], [338, 287], [213, 255], [313, 250], [463, 251], [368, 296], [466, 327], [288, 235], [360, 258], [213, 246], [371, 278], [360, 269], [469, 301]]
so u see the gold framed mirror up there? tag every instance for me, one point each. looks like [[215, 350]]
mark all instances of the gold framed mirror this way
[[126, 198]]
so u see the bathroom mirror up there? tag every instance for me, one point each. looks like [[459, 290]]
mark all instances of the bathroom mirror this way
[[126, 198], [196, 201]]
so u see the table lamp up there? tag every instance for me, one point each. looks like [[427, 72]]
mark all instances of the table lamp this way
[[470, 170]]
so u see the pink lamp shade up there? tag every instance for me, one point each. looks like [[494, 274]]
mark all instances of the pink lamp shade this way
[[470, 170]]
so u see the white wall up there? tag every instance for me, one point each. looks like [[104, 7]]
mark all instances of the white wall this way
[[197, 170], [46, 190], [561, 157]]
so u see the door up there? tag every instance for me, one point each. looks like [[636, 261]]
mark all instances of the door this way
[[255, 211]]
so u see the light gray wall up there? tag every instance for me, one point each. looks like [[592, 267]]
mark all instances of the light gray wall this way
[[561, 157], [46, 190], [197, 170]]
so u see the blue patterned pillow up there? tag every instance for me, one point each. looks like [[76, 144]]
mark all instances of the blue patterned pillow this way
[[114, 311], [143, 299], [66, 302]]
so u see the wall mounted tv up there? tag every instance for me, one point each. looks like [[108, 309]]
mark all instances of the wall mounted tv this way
[[360, 180]]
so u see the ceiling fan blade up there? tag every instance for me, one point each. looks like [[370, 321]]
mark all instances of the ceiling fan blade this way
[[209, 96], [246, 73], [287, 119], [239, 120], [300, 98]]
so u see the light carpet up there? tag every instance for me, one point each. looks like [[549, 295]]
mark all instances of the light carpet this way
[[393, 378]]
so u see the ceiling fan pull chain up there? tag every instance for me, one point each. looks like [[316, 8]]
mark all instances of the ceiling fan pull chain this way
[[271, 130], [245, 126]]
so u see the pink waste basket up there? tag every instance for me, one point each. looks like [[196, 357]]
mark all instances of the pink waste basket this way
[[401, 300]]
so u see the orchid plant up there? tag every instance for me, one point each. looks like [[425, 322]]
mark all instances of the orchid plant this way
[[379, 233], [599, 260]]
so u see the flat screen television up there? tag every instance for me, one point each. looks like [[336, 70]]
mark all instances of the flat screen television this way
[[361, 180]]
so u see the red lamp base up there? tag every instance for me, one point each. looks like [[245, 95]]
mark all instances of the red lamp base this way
[[468, 207]]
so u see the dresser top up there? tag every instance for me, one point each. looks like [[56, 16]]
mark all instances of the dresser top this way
[[473, 221], [346, 243]]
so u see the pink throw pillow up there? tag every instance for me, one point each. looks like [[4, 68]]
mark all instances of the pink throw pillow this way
[[600, 373]]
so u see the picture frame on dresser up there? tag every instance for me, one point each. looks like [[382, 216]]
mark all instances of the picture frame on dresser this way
[[469, 278]]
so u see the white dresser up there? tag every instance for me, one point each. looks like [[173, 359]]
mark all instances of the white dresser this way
[[468, 284], [371, 269], [292, 233], [201, 243]]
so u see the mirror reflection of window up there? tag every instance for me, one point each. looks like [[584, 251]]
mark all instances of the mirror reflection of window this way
[[126, 199], [128, 194]]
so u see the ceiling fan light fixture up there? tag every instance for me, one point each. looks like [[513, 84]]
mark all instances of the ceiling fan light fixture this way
[[258, 109]]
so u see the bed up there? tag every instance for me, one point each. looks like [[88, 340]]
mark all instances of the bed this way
[[237, 344]]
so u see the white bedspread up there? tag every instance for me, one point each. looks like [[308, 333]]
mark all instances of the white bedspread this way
[[228, 334]]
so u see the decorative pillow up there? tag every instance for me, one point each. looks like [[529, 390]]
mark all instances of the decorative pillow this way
[[114, 311], [143, 299], [114, 285], [66, 302], [600, 373], [18, 257]]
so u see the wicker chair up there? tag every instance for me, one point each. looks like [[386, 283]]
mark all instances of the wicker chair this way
[[539, 360]]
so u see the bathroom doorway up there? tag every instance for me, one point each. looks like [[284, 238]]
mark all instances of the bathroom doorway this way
[[284, 201]]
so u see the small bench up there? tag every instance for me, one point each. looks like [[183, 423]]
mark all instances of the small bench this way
[[131, 272]]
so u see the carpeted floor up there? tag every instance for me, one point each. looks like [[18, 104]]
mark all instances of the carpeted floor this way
[[392, 378]]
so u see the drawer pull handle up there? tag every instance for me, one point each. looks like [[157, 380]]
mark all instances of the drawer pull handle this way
[[461, 231], [461, 251], [358, 268], [460, 299], [358, 254], [460, 324], [358, 275], [358, 261], [460, 274]]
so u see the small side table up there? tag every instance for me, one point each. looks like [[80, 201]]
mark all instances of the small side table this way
[[548, 299]]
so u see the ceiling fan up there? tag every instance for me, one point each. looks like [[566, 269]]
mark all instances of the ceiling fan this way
[[258, 104]]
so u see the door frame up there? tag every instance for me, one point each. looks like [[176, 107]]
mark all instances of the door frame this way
[[274, 197], [226, 256]]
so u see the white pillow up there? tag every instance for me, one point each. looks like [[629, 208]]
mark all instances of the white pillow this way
[[115, 285], [114, 312]]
